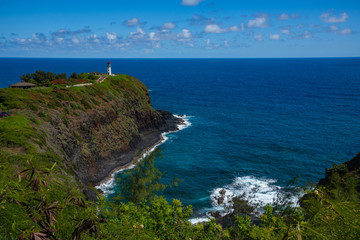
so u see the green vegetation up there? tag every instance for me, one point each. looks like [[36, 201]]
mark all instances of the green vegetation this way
[[15, 131], [40, 197], [38, 202], [42, 78], [47, 79], [116, 88], [142, 183], [84, 76]]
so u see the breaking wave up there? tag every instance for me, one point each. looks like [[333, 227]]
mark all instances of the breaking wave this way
[[258, 191]]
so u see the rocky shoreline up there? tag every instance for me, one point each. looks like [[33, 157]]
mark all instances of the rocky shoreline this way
[[147, 139]]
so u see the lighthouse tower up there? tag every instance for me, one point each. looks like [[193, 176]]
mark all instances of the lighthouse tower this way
[[108, 68]]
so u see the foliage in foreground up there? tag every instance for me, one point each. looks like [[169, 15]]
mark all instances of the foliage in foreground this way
[[35, 203]]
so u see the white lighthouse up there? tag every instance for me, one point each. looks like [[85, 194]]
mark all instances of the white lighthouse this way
[[109, 68]]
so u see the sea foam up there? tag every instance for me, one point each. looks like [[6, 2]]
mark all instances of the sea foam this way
[[258, 191], [107, 187], [199, 219], [261, 191]]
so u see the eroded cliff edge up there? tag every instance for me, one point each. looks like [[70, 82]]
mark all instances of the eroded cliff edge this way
[[92, 129]]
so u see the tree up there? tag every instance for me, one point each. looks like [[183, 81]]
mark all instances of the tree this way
[[142, 182], [74, 75], [61, 76]]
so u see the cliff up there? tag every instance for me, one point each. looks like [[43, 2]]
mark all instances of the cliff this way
[[91, 129]]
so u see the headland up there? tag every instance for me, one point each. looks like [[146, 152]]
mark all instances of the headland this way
[[90, 131]]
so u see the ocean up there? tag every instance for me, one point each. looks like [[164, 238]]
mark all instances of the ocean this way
[[251, 122]]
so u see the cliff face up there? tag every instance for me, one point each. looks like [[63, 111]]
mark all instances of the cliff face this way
[[93, 129]]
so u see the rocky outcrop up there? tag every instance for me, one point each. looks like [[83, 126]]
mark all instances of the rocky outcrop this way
[[353, 164]]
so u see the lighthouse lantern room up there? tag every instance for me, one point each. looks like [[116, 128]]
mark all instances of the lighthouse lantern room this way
[[109, 68]]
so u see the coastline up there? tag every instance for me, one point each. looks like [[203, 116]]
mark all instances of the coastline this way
[[173, 123], [110, 179]]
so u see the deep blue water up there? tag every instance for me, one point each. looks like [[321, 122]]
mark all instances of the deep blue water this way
[[252, 120]]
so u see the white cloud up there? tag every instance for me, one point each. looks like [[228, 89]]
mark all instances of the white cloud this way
[[140, 38], [40, 41], [260, 22], [63, 33], [326, 17], [75, 40], [334, 28], [346, 31], [152, 36], [139, 34], [191, 2], [132, 22], [154, 39], [185, 34], [306, 35], [40, 38], [169, 25], [110, 36], [274, 36], [258, 37], [140, 30], [157, 39], [59, 40], [284, 16], [95, 39], [300, 26], [20, 40], [285, 31], [210, 45], [215, 28], [234, 29]]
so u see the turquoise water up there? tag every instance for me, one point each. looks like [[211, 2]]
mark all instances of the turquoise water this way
[[253, 121]]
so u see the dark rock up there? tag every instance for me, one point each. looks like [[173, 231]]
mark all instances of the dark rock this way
[[215, 214], [90, 194], [170, 121], [353, 164], [145, 139], [229, 220]]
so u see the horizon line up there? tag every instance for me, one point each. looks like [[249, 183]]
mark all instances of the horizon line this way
[[179, 57]]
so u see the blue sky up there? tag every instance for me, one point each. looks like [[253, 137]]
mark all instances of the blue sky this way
[[180, 28]]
